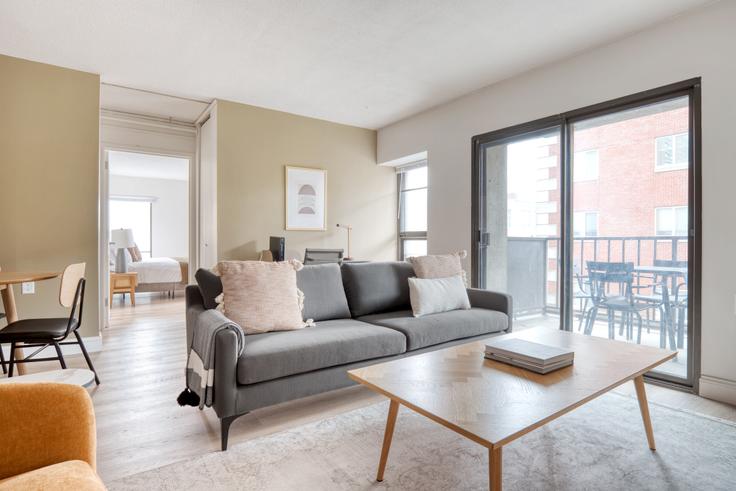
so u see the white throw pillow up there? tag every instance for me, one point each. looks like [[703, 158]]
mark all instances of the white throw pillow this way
[[435, 295]]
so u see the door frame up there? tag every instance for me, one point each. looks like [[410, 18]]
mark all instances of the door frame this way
[[690, 88], [104, 208]]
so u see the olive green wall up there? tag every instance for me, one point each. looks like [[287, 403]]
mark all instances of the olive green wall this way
[[253, 147], [49, 147]]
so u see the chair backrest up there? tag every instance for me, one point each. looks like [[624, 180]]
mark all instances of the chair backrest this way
[[71, 294], [322, 256], [69, 283], [604, 274]]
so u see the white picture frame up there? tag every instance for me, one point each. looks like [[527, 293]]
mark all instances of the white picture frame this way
[[305, 202]]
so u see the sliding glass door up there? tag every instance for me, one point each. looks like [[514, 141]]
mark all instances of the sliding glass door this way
[[520, 223], [590, 220]]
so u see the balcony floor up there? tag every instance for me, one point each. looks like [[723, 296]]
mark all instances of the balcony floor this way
[[676, 367]]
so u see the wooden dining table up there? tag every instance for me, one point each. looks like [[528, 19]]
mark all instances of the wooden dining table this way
[[7, 280]]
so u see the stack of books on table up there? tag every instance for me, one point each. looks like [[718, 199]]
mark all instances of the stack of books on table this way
[[536, 357]]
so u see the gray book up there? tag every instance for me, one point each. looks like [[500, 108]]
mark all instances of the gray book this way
[[543, 369], [529, 352]]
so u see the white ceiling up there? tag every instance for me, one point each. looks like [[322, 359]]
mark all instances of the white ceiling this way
[[366, 63], [129, 164]]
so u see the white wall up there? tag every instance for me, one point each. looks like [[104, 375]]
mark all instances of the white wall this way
[[170, 211], [699, 44]]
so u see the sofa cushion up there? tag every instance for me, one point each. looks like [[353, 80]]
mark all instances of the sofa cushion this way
[[330, 343], [376, 287], [434, 329], [72, 475], [324, 296]]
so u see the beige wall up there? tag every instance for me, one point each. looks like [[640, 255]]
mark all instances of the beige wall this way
[[688, 46], [253, 147], [49, 179]]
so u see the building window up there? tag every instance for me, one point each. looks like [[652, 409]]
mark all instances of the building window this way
[[671, 220], [671, 152], [412, 187], [585, 166], [135, 214], [585, 223]]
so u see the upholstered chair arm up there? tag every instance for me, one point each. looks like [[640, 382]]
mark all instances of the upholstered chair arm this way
[[43, 424], [487, 299]]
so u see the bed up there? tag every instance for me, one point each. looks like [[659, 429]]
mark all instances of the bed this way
[[161, 274]]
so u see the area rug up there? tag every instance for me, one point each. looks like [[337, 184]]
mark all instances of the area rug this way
[[601, 445]]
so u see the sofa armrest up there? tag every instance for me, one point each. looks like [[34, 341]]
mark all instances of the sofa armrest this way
[[226, 371], [487, 299], [43, 424]]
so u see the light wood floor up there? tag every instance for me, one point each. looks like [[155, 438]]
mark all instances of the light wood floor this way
[[140, 426]]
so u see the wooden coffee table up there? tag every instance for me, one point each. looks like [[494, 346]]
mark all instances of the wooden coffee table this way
[[494, 404]]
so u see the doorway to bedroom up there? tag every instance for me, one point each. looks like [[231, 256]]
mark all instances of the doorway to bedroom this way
[[148, 228]]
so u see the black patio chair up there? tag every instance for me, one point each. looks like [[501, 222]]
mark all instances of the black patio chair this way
[[612, 286]]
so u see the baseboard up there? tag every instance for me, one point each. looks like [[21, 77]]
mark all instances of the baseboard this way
[[92, 343], [718, 389]]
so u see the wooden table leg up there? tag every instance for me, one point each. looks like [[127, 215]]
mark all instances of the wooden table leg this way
[[393, 411], [495, 472], [641, 394], [11, 315]]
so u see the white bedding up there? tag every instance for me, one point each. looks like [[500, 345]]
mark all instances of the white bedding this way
[[157, 270]]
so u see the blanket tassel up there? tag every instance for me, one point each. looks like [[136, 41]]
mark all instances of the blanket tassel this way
[[188, 398]]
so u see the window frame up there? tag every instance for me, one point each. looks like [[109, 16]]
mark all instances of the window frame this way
[[585, 214], [404, 236], [674, 165], [672, 232], [139, 199], [597, 165]]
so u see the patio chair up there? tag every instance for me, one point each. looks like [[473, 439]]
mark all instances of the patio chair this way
[[582, 293], [606, 277], [673, 299]]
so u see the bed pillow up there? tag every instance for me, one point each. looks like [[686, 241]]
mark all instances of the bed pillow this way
[[210, 286], [135, 253], [439, 265], [435, 295], [261, 296]]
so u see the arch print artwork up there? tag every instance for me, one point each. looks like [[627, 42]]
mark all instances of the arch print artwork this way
[[305, 192]]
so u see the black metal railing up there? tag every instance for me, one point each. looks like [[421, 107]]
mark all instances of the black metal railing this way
[[533, 263]]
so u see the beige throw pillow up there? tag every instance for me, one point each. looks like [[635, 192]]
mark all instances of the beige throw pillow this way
[[261, 296], [439, 265]]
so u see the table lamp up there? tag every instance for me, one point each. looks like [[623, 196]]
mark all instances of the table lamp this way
[[123, 238], [349, 257]]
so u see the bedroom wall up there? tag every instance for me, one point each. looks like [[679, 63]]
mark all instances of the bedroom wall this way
[[697, 44], [169, 212], [253, 147], [49, 147]]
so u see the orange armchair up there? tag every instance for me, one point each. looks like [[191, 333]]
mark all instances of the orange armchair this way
[[48, 438]]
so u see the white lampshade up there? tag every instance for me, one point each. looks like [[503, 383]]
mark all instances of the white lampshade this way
[[122, 237]]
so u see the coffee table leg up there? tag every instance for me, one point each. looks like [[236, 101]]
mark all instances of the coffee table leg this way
[[641, 394], [11, 315], [393, 411], [495, 472]]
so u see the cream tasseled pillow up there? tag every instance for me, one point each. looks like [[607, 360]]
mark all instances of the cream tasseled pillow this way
[[439, 265], [261, 296]]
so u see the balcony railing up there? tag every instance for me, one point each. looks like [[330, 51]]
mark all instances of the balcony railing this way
[[533, 263]]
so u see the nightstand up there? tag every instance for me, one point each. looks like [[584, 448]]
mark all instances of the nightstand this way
[[123, 283]]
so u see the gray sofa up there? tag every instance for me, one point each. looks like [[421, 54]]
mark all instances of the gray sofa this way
[[363, 316]]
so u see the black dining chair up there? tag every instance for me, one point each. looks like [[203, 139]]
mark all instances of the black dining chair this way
[[606, 277], [42, 333]]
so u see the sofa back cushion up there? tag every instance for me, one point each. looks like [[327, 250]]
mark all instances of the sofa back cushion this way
[[210, 286], [324, 296], [376, 287]]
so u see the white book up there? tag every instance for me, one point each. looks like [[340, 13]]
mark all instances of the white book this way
[[528, 351]]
